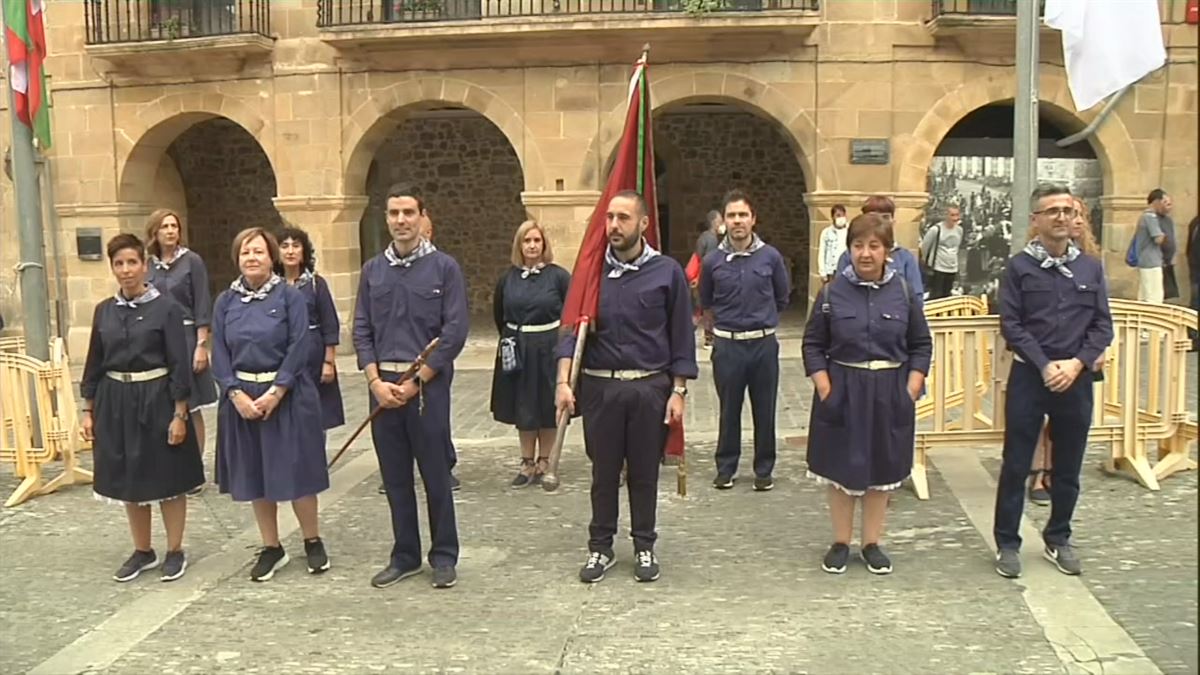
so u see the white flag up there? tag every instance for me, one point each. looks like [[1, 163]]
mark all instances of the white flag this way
[[1108, 44]]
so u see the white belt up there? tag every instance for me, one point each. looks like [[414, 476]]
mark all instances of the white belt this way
[[1017, 358], [743, 334], [255, 377], [189, 322], [313, 326], [871, 365], [143, 376], [393, 366], [536, 328], [624, 375]]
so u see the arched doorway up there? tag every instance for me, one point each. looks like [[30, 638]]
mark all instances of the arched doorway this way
[[471, 181]]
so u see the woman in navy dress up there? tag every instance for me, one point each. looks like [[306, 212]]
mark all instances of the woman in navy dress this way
[[179, 272], [135, 386], [867, 348], [270, 445], [526, 307], [297, 267]]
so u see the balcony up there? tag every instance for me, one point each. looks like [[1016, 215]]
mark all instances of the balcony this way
[[561, 31], [982, 22], [158, 38]]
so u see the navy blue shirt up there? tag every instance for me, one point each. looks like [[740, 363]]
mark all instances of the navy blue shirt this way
[[322, 314], [400, 309], [744, 292], [185, 280], [1044, 316], [260, 336], [644, 323], [904, 262]]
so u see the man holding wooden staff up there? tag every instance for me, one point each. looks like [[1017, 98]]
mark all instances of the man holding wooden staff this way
[[408, 295], [638, 359]]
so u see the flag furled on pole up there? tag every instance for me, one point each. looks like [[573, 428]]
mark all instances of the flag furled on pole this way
[[26, 38], [1108, 45]]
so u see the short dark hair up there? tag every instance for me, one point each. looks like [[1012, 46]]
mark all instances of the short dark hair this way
[[871, 225], [879, 204], [736, 195], [1044, 190], [405, 190], [637, 198], [307, 260], [250, 233], [713, 216], [1155, 195], [837, 208], [126, 241]]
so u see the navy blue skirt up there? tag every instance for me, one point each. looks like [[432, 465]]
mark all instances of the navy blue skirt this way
[[333, 413], [861, 438], [204, 385]]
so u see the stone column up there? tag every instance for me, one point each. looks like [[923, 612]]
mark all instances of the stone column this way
[[1121, 213], [331, 221], [564, 215]]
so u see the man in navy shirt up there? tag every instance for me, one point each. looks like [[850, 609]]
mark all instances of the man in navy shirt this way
[[743, 288], [1054, 316], [408, 295], [635, 369]]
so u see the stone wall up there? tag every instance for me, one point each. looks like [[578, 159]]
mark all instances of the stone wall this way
[[710, 153], [471, 182]]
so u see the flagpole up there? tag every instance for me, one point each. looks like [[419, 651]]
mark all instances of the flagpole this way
[[35, 299], [1025, 119]]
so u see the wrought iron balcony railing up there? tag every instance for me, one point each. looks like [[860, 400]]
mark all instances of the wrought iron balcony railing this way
[[344, 13], [977, 7], [117, 21]]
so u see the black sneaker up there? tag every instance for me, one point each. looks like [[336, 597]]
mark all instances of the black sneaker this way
[[647, 566], [392, 574], [454, 483], [876, 560], [314, 551], [764, 484], [270, 559], [835, 560], [444, 577], [174, 565], [597, 564], [723, 481], [1008, 563], [137, 563]]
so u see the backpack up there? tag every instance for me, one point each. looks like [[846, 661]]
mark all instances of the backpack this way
[[1131, 253]]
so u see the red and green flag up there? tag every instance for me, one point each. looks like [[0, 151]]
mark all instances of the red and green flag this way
[[25, 33]]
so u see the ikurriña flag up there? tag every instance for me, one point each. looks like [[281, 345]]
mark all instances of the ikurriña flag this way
[[25, 33]]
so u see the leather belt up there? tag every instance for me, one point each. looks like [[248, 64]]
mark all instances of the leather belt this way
[[623, 375], [871, 365], [143, 376], [535, 328], [743, 334], [393, 366], [255, 377]]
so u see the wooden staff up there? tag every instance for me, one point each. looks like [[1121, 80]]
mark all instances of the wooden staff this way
[[550, 478], [404, 377]]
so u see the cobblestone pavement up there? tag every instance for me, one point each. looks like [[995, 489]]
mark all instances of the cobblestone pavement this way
[[741, 591]]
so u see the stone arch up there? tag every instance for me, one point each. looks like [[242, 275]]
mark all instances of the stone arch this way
[[1112, 143], [754, 96], [371, 122]]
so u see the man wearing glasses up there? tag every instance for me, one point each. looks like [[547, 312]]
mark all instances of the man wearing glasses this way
[[1054, 316]]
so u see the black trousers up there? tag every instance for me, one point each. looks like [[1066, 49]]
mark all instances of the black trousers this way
[[623, 424], [941, 284], [402, 436], [738, 365], [1028, 402]]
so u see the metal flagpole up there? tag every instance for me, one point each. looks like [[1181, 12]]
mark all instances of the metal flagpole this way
[[1025, 119]]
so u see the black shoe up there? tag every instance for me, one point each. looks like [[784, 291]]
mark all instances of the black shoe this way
[[270, 560], [444, 576], [647, 566], [835, 560], [174, 565], [382, 489], [876, 560], [597, 564], [392, 574], [523, 479], [764, 484], [454, 484], [137, 563], [723, 481], [314, 551]]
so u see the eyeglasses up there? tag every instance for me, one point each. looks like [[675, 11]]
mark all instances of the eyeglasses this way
[[1057, 212]]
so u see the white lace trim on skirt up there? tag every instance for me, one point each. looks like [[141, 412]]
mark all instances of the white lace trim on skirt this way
[[109, 500], [854, 493]]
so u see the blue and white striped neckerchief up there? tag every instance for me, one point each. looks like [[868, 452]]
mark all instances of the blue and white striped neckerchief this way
[[526, 272], [619, 267], [166, 264], [849, 273], [1037, 250], [238, 286], [727, 246], [306, 277], [147, 295], [423, 249]]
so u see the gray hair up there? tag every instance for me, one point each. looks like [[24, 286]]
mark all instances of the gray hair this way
[[1046, 190]]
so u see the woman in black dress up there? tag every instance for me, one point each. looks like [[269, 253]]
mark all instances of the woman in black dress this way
[[135, 386], [526, 307]]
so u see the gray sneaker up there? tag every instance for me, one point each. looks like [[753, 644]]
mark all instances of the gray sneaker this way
[[1064, 558], [1008, 563]]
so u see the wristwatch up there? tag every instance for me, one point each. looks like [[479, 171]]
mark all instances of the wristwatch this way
[[682, 391]]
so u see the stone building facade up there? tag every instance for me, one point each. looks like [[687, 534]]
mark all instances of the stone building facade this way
[[500, 111]]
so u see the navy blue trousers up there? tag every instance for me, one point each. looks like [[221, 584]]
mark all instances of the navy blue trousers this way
[[402, 436], [1070, 412], [739, 365]]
